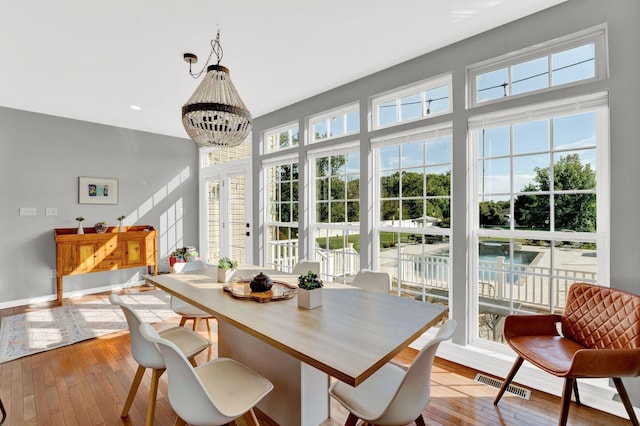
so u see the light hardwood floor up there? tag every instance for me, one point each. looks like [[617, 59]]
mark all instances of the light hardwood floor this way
[[87, 383]]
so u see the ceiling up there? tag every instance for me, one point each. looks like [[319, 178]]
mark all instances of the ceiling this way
[[90, 60]]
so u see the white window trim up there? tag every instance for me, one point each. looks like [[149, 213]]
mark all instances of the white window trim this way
[[596, 35], [411, 89], [276, 130], [326, 115]]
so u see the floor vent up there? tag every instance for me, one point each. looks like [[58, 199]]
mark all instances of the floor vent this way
[[512, 389]]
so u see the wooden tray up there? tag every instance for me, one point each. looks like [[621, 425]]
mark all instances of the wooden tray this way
[[242, 290]]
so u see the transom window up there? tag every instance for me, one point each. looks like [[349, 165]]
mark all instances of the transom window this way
[[213, 156], [334, 124], [426, 99], [281, 138], [576, 58]]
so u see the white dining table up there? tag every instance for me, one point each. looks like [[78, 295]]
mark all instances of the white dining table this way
[[349, 337]]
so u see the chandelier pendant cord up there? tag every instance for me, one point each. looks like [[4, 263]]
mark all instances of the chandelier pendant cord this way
[[216, 48]]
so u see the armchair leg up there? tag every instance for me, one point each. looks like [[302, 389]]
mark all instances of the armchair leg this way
[[132, 391], [566, 400], [509, 378], [624, 396], [4, 412], [575, 392], [351, 420], [420, 420]]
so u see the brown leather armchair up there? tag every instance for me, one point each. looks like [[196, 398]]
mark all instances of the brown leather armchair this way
[[600, 338]]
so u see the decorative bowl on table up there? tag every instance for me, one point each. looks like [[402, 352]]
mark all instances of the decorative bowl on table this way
[[101, 227], [260, 283]]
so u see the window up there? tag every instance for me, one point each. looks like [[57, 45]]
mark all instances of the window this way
[[414, 211], [336, 215], [214, 156], [334, 124], [577, 58], [540, 212], [427, 99], [281, 138], [282, 221]]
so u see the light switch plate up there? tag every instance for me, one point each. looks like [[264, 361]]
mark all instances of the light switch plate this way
[[27, 211], [51, 211]]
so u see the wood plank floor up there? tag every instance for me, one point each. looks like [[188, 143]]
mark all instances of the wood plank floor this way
[[87, 383]]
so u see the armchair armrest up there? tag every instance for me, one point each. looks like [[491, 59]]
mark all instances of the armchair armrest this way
[[530, 325], [605, 363]]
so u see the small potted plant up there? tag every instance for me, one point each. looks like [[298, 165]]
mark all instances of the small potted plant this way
[[226, 269], [309, 291], [80, 228], [120, 225]]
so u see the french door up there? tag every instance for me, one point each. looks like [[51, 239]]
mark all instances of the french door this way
[[225, 223]]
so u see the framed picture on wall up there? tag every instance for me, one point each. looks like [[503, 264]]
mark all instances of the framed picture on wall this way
[[97, 190]]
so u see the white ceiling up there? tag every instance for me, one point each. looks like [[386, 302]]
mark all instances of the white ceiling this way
[[90, 60]]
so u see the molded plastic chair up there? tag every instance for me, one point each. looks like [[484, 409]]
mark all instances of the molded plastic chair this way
[[304, 266], [393, 396], [214, 393], [187, 311], [147, 354], [374, 281], [600, 338]]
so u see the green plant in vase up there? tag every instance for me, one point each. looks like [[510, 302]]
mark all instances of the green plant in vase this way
[[120, 225], [80, 219], [309, 291], [226, 269]]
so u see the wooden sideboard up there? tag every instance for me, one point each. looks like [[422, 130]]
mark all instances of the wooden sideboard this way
[[90, 252]]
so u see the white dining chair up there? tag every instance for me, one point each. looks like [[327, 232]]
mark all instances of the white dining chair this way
[[187, 311], [211, 394], [392, 395], [147, 354], [374, 281], [304, 266]]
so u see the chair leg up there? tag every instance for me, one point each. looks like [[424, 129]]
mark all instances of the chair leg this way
[[420, 420], [4, 412], [509, 378], [132, 391], [179, 422], [209, 329], [196, 323], [250, 418], [575, 392], [351, 420], [153, 393], [566, 400], [624, 396], [183, 321]]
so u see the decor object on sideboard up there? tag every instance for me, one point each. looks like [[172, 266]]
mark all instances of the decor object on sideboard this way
[[215, 115], [226, 269], [120, 225], [260, 283], [101, 227], [80, 228], [309, 291], [97, 190]]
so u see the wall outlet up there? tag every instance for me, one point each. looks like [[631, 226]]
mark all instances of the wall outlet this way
[[51, 211], [52, 273]]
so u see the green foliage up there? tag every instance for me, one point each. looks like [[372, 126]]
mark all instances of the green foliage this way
[[226, 263], [79, 218], [493, 213], [309, 281], [576, 212]]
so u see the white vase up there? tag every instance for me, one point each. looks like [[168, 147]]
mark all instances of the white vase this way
[[309, 299], [225, 275], [80, 228], [120, 227]]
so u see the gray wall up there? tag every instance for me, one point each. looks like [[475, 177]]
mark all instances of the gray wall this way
[[623, 20], [41, 158]]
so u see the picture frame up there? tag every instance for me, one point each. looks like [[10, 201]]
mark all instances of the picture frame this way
[[97, 190]]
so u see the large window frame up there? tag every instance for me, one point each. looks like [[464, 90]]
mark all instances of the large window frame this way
[[504, 294], [336, 123]]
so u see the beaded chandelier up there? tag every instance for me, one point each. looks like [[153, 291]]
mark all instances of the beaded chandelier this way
[[215, 115]]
